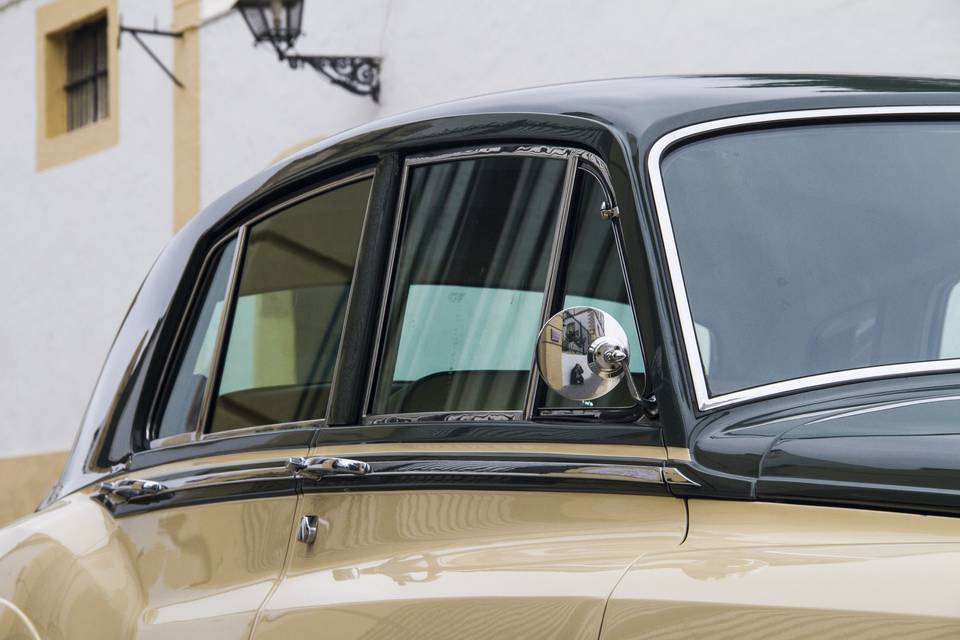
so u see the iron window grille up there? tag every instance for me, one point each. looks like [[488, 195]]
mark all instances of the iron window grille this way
[[86, 85]]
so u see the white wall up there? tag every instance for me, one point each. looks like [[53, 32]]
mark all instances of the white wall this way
[[440, 49], [254, 107], [76, 239]]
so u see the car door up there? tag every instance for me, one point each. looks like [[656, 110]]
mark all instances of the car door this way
[[467, 501], [204, 515]]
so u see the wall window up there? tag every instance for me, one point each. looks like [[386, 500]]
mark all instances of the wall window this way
[[77, 80], [181, 410], [86, 86], [285, 331], [468, 289]]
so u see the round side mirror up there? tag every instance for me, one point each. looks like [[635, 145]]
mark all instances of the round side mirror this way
[[582, 353]]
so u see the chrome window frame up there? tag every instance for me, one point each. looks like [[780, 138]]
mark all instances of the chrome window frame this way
[[576, 159], [241, 233], [673, 139]]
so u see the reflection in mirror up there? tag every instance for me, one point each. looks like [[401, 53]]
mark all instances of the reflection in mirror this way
[[582, 353]]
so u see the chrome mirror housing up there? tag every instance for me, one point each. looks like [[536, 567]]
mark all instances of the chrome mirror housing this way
[[582, 353]]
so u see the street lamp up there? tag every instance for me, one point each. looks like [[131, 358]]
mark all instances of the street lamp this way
[[280, 22]]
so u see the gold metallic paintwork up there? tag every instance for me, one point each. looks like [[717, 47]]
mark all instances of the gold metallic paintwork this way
[[187, 158], [464, 564], [193, 571], [25, 480], [758, 570]]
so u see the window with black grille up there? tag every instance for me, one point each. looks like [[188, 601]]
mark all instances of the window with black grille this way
[[86, 85]]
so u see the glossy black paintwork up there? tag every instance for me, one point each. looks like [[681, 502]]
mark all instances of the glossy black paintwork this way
[[741, 452]]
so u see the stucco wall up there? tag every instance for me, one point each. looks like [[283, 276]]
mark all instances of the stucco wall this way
[[78, 238]]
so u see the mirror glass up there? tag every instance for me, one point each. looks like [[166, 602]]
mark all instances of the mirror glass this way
[[582, 353]]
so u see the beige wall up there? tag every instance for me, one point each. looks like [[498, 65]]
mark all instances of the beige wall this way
[[25, 480]]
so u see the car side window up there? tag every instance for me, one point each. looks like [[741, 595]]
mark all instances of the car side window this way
[[181, 410], [467, 294], [284, 334], [593, 277], [950, 329]]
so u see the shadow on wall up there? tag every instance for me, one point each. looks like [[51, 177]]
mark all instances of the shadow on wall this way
[[25, 480]]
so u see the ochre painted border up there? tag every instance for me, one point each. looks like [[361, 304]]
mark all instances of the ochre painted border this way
[[186, 113], [56, 145]]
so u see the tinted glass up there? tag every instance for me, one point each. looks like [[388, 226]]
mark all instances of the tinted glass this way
[[287, 321], [594, 278], [813, 249], [468, 288], [182, 408]]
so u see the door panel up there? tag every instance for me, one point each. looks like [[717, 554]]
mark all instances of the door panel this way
[[193, 559], [209, 545], [205, 570], [85, 569], [759, 570], [442, 563]]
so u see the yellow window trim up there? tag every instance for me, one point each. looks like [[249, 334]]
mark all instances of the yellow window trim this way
[[56, 145]]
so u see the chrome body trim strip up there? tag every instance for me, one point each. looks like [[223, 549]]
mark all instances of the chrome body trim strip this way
[[672, 475], [374, 468], [163, 487], [450, 416], [705, 401]]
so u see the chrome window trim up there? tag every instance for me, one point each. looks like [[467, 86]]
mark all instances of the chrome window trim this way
[[218, 357], [553, 269], [576, 159], [240, 233], [193, 302], [705, 401]]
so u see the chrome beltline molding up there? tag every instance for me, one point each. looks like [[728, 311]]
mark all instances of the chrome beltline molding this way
[[164, 487], [704, 400]]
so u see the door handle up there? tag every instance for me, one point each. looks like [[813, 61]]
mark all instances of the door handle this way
[[307, 531], [129, 489], [319, 466]]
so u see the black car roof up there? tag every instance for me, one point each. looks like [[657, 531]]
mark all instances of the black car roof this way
[[640, 109], [638, 104]]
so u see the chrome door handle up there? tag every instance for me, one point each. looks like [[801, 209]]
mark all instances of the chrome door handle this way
[[129, 488], [307, 531], [319, 466]]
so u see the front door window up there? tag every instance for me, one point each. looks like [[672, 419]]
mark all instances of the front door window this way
[[468, 289]]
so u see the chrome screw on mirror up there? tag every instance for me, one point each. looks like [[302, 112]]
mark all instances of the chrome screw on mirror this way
[[583, 353]]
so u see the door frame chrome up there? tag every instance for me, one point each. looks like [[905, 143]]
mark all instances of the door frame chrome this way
[[577, 159], [668, 142]]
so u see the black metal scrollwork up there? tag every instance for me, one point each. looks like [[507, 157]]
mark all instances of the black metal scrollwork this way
[[357, 74]]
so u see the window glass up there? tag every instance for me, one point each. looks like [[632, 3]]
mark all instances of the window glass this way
[[950, 332], [468, 288], [818, 248], [594, 278], [181, 411], [86, 71], [288, 317]]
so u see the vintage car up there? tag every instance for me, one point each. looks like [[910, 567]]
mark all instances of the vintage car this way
[[642, 358]]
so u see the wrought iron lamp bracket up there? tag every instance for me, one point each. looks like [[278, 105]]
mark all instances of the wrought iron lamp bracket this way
[[357, 74], [136, 32]]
